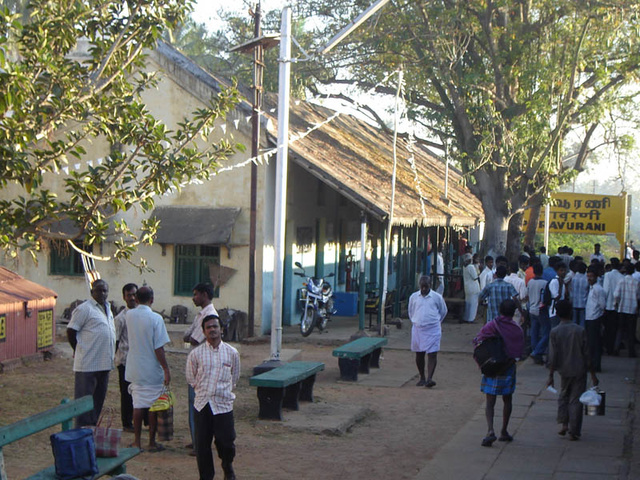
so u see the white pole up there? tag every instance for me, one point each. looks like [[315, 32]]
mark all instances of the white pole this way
[[393, 199], [446, 169], [363, 243], [547, 214], [359, 20], [284, 81]]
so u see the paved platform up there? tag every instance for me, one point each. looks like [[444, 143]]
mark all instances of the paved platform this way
[[609, 448], [537, 451]]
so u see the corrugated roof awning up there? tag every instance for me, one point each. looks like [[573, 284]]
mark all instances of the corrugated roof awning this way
[[195, 225], [14, 288]]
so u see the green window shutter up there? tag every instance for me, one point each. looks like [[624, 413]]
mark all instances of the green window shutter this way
[[186, 276], [58, 264], [191, 267], [66, 261]]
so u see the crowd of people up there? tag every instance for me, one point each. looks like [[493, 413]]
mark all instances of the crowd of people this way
[[571, 311], [563, 311], [134, 342]]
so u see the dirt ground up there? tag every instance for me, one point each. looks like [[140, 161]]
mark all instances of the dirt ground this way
[[405, 427]]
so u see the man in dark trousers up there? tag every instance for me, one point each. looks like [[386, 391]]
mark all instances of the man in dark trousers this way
[[213, 370], [92, 335], [569, 355], [122, 348], [202, 295]]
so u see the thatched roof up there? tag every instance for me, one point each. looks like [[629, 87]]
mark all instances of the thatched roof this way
[[357, 159]]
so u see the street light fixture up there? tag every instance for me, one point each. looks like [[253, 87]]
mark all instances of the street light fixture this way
[[284, 83]]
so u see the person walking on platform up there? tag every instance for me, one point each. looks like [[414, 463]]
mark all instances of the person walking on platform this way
[[503, 384], [427, 311], [569, 356]]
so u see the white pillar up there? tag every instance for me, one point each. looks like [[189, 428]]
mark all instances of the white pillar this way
[[284, 81], [547, 214]]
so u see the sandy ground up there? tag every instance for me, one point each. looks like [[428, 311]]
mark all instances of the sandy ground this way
[[405, 425]]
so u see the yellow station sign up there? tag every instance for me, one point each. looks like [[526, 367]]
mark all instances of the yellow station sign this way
[[581, 213]]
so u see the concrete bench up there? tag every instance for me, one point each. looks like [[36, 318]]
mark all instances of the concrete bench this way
[[358, 356], [62, 414], [285, 386]]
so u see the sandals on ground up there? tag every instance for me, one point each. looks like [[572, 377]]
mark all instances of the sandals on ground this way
[[488, 440]]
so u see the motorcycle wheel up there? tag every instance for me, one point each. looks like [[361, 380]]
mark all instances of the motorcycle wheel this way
[[306, 321], [322, 322]]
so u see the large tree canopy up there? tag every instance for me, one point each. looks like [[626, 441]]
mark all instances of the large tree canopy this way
[[503, 82], [57, 98]]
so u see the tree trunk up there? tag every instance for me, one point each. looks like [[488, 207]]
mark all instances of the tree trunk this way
[[513, 237], [535, 205], [495, 232], [532, 226]]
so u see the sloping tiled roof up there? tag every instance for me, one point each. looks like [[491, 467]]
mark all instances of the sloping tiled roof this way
[[14, 288], [357, 159], [195, 225]]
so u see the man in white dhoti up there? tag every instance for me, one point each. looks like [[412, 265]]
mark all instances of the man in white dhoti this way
[[146, 368], [426, 312], [471, 279]]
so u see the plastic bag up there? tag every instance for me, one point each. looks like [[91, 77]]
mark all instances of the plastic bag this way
[[591, 397], [164, 402]]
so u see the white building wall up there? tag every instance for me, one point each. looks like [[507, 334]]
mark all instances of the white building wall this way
[[171, 103]]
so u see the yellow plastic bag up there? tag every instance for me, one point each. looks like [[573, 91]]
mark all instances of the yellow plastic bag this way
[[164, 402]]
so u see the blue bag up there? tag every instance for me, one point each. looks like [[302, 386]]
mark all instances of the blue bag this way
[[75, 453]]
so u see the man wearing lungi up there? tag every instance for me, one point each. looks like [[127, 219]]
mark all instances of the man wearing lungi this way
[[146, 369], [426, 312]]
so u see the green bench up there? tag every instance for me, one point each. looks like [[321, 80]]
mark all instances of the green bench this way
[[285, 386], [358, 356], [62, 414]]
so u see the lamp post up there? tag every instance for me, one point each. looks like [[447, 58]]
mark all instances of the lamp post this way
[[282, 159], [257, 46]]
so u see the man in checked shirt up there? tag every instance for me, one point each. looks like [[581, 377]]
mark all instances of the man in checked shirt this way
[[213, 370]]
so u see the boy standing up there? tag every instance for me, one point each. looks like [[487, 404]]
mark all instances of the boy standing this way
[[569, 355]]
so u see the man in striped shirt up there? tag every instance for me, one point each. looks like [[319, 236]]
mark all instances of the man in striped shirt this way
[[497, 292], [213, 370], [626, 298]]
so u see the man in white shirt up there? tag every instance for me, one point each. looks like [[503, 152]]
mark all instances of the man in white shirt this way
[[471, 282], [628, 251], [523, 294], [594, 313], [147, 369], [440, 271], [213, 370], [558, 291], [627, 298], [597, 254], [610, 322], [539, 319], [92, 336], [486, 277], [202, 296], [427, 311]]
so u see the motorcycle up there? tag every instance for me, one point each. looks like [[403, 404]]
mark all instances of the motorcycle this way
[[317, 302]]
